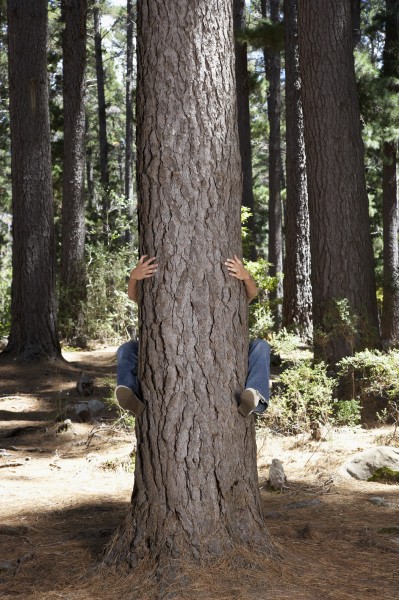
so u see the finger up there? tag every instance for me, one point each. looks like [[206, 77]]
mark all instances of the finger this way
[[237, 259], [142, 259], [150, 260]]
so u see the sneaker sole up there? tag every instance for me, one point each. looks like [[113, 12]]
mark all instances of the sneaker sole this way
[[128, 400], [247, 403]]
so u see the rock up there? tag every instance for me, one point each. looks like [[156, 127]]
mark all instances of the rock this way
[[3, 343], [6, 566], [64, 426], [378, 501], [85, 385], [85, 411], [363, 465], [277, 477]]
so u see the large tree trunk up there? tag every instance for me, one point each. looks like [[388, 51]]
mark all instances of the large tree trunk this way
[[102, 116], [297, 303], [73, 270], [342, 257], [275, 254], [33, 311], [390, 308], [244, 123], [196, 488]]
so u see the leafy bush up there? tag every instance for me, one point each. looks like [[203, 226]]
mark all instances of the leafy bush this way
[[260, 313], [303, 398], [347, 412]]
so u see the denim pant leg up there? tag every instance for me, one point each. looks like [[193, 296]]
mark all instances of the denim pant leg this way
[[259, 370], [127, 366]]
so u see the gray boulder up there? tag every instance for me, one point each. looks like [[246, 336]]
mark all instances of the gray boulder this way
[[363, 465]]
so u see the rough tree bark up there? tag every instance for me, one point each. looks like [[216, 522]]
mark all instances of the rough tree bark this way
[[129, 102], [275, 250], [196, 489], [342, 257], [73, 271], [297, 303], [244, 122], [33, 333], [390, 307], [102, 116]]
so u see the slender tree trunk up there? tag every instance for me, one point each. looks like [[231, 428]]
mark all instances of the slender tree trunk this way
[[33, 310], [342, 258], [102, 117], [273, 67], [196, 490], [244, 123], [390, 308], [73, 270], [129, 155], [297, 304]]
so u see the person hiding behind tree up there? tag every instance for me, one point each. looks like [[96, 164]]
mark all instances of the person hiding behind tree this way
[[254, 398]]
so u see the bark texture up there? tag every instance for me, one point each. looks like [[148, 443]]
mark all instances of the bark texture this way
[[244, 122], [342, 258], [297, 303], [129, 102], [196, 489], [390, 307], [33, 311], [73, 270], [102, 116], [275, 250]]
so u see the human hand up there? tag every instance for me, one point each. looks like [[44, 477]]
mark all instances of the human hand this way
[[144, 269], [237, 269]]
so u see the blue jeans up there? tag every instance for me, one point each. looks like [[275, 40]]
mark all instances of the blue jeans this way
[[257, 378]]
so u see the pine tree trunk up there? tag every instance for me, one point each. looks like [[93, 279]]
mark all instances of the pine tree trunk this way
[[102, 117], [297, 304], [73, 270], [275, 254], [33, 310], [390, 307], [196, 488], [129, 155], [342, 257], [244, 123]]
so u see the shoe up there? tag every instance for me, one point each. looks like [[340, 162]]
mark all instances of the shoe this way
[[249, 400], [128, 400]]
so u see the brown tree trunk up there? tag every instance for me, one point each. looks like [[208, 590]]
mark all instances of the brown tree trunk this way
[[244, 123], [129, 154], [33, 311], [390, 307], [297, 303], [73, 270], [275, 254], [342, 257], [102, 117], [196, 488]]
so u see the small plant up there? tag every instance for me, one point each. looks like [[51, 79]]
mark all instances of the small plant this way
[[260, 310], [304, 398], [347, 412]]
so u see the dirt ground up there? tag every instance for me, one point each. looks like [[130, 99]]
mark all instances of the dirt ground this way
[[63, 494]]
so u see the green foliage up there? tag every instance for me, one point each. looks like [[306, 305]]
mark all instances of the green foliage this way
[[385, 475], [110, 315], [264, 34], [376, 373], [304, 397], [347, 412], [285, 343], [260, 315]]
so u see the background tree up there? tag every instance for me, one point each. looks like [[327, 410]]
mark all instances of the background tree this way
[[273, 68], [344, 299], [390, 72], [33, 334], [73, 268], [129, 154], [102, 115], [244, 122], [195, 491], [297, 303]]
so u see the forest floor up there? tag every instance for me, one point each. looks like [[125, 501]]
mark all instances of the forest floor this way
[[63, 494]]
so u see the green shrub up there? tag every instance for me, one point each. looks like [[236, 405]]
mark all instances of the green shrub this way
[[260, 310], [303, 398], [347, 412]]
